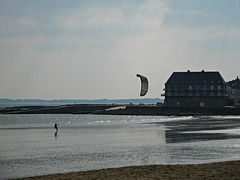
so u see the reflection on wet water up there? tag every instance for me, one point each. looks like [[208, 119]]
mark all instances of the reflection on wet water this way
[[35, 151], [202, 129]]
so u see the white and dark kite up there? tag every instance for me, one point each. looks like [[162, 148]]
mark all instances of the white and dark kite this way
[[144, 85]]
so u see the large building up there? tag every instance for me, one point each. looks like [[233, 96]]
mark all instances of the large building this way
[[195, 89], [234, 91]]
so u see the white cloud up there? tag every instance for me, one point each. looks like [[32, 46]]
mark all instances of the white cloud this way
[[17, 24], [91, 18], [146, 16]]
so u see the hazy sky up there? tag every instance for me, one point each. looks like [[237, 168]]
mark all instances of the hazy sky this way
[[93, 49]]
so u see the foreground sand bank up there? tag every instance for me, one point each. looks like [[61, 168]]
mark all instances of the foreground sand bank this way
[[220, 170]]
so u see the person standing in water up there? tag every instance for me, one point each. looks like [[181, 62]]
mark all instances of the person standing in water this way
[[56, 127]]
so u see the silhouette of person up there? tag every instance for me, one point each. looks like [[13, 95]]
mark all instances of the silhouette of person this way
[[56, 127]]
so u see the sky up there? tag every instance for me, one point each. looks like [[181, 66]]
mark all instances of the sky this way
[[78, 49]]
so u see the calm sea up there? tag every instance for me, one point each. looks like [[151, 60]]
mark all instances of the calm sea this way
[[30, 145], [48, 120]]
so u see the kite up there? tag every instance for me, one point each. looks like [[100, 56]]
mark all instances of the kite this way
[[144, 85]]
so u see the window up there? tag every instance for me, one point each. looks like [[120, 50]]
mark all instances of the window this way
[[219, 87], [190, 88], [212, 94], [219, 93], [212, 87], [190, 93]]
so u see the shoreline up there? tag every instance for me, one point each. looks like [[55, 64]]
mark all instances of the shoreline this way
[[124, 109], [216, 170]]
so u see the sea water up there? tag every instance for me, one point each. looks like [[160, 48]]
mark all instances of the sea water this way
[[30, 145], [48, 120]]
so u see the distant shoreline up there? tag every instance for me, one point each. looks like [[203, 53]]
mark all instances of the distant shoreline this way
[[80, 101], [115, 109]]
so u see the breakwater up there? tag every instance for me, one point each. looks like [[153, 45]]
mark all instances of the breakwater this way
[[113, 109], [167, 111]]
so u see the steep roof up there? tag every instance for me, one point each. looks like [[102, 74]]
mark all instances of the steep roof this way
[[195, 78], [234, 83]]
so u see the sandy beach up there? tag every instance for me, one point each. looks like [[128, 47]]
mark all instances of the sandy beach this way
[[220, 170]]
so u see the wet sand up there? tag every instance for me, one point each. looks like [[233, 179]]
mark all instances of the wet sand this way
[[221, 170]]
